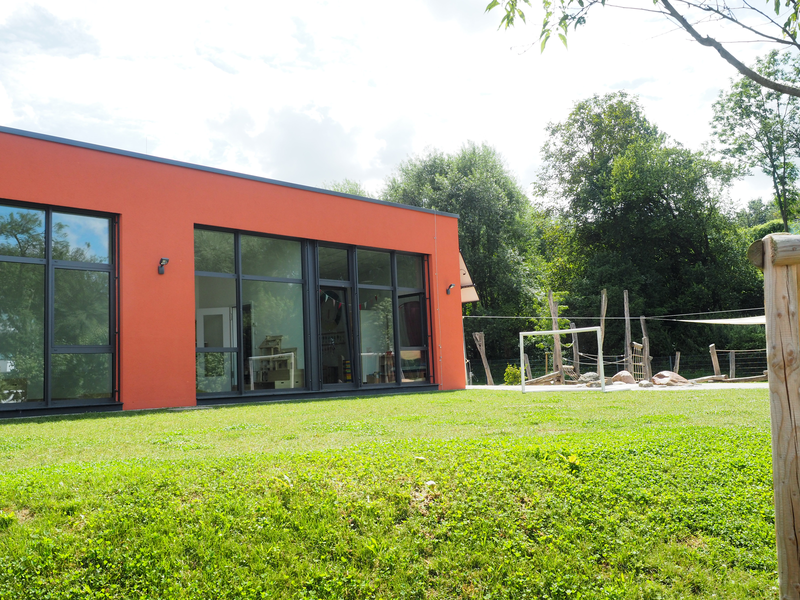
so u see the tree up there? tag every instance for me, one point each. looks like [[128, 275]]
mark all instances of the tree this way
[[347, 186], [494, 227], [758, 126], [642, 214], [769, 25]]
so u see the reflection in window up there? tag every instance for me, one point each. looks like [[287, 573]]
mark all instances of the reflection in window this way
[[271, 257], [409, 271], [21, 232], [274, 349], [80, 238], [216, 372], [77, 376], [215, 312], [333, 264], [413, 365], [374, 268], [81, 308], [22, 343], [213, 251], [376, 317]]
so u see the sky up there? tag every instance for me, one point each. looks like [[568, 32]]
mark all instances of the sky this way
[[320, 91]]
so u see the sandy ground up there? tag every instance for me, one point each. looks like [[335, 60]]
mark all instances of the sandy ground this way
[[620, 387]]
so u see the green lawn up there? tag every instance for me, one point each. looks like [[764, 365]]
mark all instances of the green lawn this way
[[474, 494]]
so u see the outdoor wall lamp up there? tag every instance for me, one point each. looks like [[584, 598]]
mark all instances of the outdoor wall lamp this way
[[452, 285], [163, 262]]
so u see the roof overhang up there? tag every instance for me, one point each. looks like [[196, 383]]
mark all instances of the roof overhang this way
[[468, 291]]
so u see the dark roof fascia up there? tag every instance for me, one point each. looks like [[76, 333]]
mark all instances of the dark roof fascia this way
[[185, 165]]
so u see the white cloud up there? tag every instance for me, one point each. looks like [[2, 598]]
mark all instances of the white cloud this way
[[326, 90]]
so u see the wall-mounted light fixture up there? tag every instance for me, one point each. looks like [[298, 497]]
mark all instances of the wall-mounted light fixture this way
[[163, 262], [452, 285]]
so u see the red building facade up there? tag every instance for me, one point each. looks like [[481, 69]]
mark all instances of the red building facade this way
[[129, 282]]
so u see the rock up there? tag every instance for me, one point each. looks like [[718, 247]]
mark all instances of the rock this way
[[593, 384], [645, 384], [669, 378], [623, 377], [590, 376]]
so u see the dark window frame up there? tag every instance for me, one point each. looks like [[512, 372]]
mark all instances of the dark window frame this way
[[50, 348]]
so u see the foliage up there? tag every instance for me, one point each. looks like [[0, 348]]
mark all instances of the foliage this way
[[347, 186], [494, 227], [639, 213], [512, 375], [698, 17], [757, 213], [758, 126], [432, 510]]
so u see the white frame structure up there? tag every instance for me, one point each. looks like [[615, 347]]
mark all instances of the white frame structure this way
[[562, 332]]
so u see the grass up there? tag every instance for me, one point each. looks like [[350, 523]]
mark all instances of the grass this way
[[470, 494]]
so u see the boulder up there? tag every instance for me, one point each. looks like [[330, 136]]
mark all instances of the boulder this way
[[623, 377], [590, 376], [669, 378], [645, 384]]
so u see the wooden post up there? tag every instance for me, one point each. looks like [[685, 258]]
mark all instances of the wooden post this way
[[557, 363], [576, 355], [628, 354], [528, 367], [732, 363], [647, 366], [603, 307], [478, 337], [783, 361], [714, 360], [677, 362]]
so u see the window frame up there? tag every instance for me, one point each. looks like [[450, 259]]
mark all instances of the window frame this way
[[50, 347]]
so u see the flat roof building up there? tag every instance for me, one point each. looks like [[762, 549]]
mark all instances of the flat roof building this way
[[129, 281]]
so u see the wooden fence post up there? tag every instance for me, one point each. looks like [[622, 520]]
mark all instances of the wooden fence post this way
[[714, 360], [732, 363], [576, 354], [647, 366], [628, 347], [558, 365], [603, 308], [779, 255], [677, 362]]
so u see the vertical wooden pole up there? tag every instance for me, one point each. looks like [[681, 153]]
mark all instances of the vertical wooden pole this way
[[576, 354], [603, 307], [714, 360], [528, 367], [731, 363], [647, 366], [783, 360], [478, 337], [628, 354], [557, 363], [677, 362]]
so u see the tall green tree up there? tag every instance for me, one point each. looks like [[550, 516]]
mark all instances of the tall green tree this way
[[757, 126], [494, 226], [643, 214]]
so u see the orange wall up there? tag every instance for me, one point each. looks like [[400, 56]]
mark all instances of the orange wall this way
[[160, 204]]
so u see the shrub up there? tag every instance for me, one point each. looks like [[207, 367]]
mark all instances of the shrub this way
[[512, 375]]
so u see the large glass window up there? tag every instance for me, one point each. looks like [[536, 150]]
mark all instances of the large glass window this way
[[275, 315], [249, 313], [376, 316], [57, 341]]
